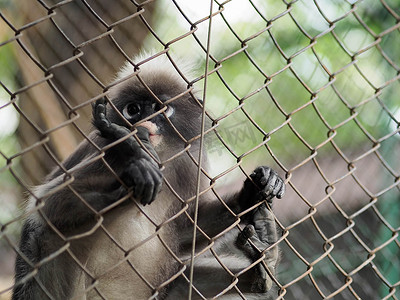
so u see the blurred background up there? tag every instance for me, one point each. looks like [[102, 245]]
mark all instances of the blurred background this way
[[309, 87]]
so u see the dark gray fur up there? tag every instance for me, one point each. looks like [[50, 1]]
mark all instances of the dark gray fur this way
[[62, 278]]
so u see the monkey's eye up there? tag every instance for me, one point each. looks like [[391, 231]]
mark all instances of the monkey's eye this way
[[170, 111], [131, 110]]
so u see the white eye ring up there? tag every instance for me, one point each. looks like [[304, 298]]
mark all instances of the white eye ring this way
[[131, 110], [170, 111]]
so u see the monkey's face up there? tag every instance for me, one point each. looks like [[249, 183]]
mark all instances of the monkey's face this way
[[170, 123]]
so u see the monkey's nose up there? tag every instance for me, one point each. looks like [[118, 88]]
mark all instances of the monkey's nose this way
[[150, 126], [154, 135]]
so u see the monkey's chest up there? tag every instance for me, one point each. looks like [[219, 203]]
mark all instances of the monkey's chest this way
[[125, 249]]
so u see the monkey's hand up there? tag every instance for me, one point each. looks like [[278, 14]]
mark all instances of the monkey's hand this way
[[264, 184], [253, 241], [269, 183], [145, 178], [141, 172]]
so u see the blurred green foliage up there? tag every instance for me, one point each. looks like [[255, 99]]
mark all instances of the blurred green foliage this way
[[341, 84]]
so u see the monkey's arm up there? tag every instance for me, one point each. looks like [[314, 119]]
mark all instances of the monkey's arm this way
[[236, 249], [260, 230]]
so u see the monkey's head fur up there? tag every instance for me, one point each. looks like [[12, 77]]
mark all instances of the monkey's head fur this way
[[156, 97]]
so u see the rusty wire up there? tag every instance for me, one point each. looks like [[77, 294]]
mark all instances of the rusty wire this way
[[339, 221]]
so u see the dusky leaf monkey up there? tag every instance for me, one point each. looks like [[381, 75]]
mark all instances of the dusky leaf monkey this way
[[113, 220]]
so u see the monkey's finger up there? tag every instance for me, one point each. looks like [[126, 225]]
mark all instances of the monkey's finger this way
[[274, 190], [282, 190], [260, 245], [157, 182], [114, 131], [262, 282], [260, 175], [108, 129], [101, 101], [271, 182], [268, 180], [99, 112], [157, 189], [244, 235], [265, 226], [99, 116], [117, 132], [128, 147], [144, 135], [277, 187], [128, 174], [99, 107], [148, 191], [242, 242], [148, 181], [278, 190], [265, 174], [135, 179], [135, 150], [143, 182]]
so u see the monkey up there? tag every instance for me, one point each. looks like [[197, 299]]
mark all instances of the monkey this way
[[115, 219]]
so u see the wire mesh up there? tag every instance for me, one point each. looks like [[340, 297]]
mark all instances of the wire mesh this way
[[308, 87]]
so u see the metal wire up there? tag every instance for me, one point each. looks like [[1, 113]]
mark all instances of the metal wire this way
[[321, 106], [200, 160]]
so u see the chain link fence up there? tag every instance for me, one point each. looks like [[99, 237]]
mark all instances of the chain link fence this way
[[310, 88]]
